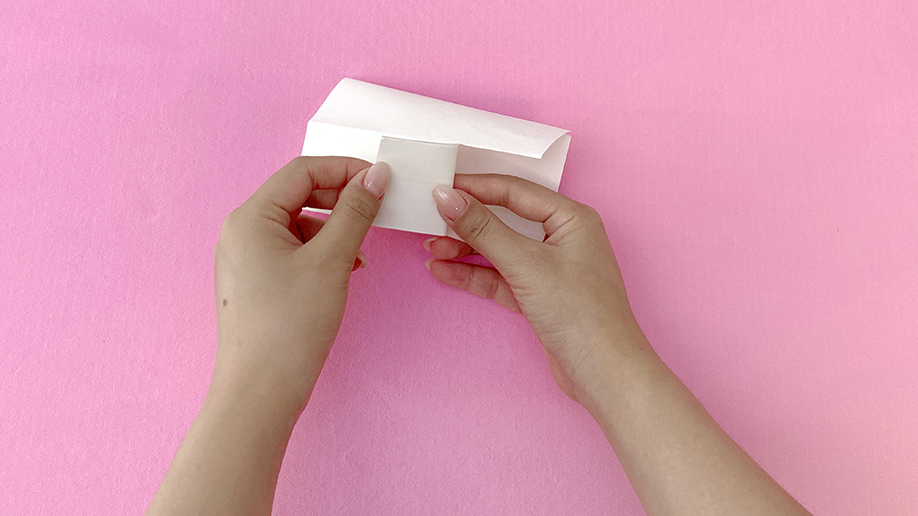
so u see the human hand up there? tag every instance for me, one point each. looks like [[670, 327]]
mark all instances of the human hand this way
[[568, 287], [282, 277]]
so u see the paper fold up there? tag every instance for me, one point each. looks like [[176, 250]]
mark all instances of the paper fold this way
[[389, 112], [357, 116]]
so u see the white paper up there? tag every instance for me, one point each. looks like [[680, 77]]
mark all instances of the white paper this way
[[357, 115], [416, 168]]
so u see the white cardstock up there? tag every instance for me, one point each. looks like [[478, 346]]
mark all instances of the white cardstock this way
[[419, 137], [416, 168]]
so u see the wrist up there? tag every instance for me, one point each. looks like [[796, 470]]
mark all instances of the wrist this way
[[259, 395], [615, 365]]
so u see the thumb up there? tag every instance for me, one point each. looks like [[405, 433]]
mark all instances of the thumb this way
[[354, 212], [478, 226]]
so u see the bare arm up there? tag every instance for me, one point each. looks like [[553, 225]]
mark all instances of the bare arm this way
[[570, 289], [677, 458], [281, 287], [231, 456]]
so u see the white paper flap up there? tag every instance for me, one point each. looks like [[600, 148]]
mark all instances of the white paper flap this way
[[416, 168], [360, 105]]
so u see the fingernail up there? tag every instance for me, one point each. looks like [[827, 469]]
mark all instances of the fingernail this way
[[362, 259], [377, 179], [450, 202], [427, 264], [428, 242]]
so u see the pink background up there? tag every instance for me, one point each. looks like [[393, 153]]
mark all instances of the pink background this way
[[757, 168]]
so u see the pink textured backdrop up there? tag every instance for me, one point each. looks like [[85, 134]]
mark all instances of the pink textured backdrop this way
[[757, 167]]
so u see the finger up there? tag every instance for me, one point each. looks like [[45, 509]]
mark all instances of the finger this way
[[446, 248], [309, 227], [482, 281], [525, 198], [479, 227], [352, 216], [323, 199], [291, 186]]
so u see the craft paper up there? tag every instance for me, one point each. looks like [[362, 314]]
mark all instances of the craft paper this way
[[416, 168], [358, 117]]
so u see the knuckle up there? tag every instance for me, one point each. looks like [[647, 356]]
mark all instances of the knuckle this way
[[230, 231], [483, 284], [588, 214], [360, 207], [492, 285], [230, 224], [301, 161], [516, 181], [477, 223]]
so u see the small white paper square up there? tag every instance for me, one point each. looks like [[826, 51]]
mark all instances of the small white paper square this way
[[416, 167]]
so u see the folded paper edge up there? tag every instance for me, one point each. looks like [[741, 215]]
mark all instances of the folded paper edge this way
[[542, 143]]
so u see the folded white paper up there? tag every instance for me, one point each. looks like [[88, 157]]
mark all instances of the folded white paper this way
[[375, 123], [416, 168]]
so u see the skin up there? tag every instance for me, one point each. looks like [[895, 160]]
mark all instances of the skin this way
[[273, 265]]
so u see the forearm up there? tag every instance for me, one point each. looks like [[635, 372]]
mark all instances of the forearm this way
[[229, 461], [280, 296], [677, 458]]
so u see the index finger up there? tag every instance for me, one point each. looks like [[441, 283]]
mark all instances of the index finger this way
[[529, 200], [290, 187]]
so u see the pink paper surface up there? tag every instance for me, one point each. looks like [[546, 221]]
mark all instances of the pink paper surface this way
[[756, 166]]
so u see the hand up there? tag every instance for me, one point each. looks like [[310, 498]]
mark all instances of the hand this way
[[568, 287], [570, 290], [282, 277], [281, 286]]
